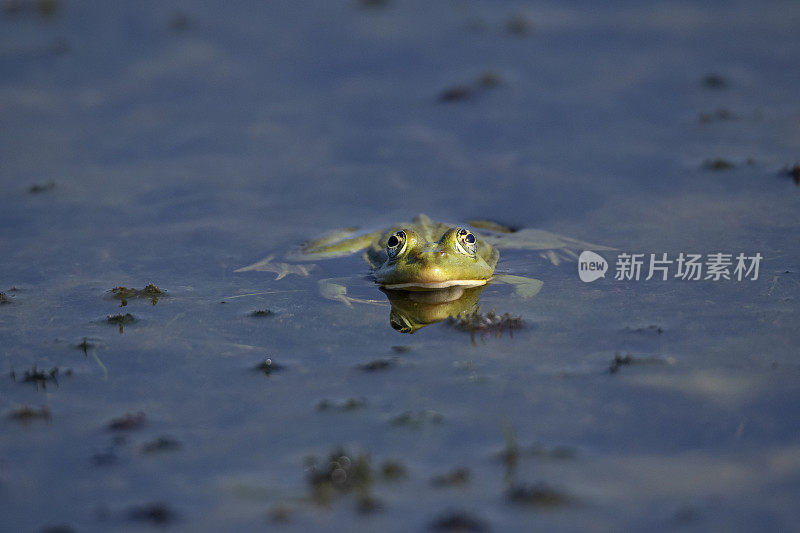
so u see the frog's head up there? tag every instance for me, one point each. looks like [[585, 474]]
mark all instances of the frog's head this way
[[416, 264]]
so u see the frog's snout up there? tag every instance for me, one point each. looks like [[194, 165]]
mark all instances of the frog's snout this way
[[430, 257]]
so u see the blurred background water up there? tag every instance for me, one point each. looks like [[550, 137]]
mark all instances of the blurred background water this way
[[174, 142]]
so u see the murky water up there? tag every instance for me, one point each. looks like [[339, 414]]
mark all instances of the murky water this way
[[183, 142]]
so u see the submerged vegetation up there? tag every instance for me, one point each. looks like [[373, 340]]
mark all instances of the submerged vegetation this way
[[718, 164], [537, 495], [41, 377], [793, 172], [161, 444], [627, 360], [378, 364], [44, 187], [455, 93], [483, 324], [351, 404], [121, 320], [417, 419], [155, 513], [27, 413], [342, 474], [127, 422], [459, 521], [458, 476]]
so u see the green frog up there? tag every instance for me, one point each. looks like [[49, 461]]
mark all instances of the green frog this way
[[424, 255]]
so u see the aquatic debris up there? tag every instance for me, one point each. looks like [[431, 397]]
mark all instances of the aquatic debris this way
[[351, 404], [556, 452], [486, 80], [720, 115], [619, 361], [26, 413], [416, 420], [793, 172], [156, 513], [537, 495], [458, 476], [393, 470], [373, 3], [686, 514], [262, 313], [105, 458], [491, 322], [127, 422], [267, 366], [41, 377], [46, 9], [489, 79], [518, 25], [456, 93], [458, 521], [343, 474], [36, 188], [150, 292], [280, 514], [367, 503], [377, 364], [714, 81], [161, 444], [718, 164], [121, 319], [179, 21], [642, 329], [4, 299], [85, 346], [626, 360], [510, 453], [57, 528]]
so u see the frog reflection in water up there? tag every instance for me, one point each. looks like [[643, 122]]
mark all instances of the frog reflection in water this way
[[428, 269]]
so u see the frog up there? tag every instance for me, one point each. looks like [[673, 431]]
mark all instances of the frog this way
[[426, 255]]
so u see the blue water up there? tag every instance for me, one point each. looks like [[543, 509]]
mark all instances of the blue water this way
[[187, 141]]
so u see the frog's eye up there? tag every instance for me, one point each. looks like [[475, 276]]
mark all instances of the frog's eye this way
[[465, 240], [396, 244]]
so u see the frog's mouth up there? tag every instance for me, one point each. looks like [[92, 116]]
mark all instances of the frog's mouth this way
[[434, 285]]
